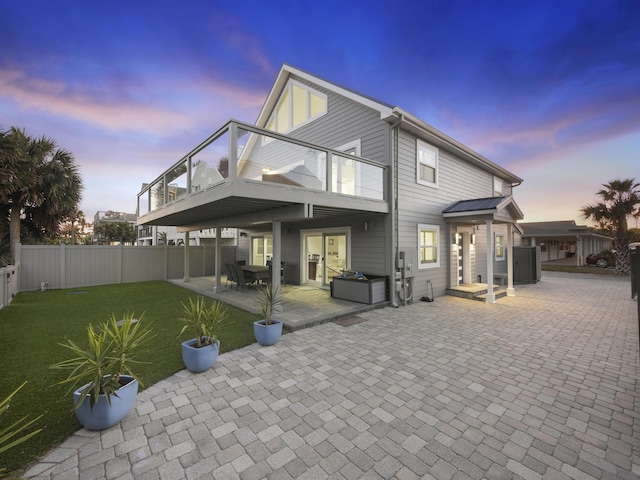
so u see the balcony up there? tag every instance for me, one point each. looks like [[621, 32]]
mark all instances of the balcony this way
[[242, 174]]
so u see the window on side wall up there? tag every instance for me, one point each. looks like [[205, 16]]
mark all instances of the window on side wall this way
[[499, 247], [426, 164], [497, 187], [428, 246]]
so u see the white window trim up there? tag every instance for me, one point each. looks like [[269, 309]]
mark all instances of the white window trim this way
[[495, 249], [289, 88], [356, 145], [425, 145], [497, 182], [435, 228]]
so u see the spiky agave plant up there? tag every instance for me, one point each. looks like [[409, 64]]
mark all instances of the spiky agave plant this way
[[202, 321], [111, 352]]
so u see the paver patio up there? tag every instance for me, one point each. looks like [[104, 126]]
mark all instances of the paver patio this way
[[538, 386]]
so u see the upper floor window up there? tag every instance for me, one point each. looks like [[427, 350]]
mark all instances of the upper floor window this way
[[497, 187], [428, 243], [298, 105], [426, 164]]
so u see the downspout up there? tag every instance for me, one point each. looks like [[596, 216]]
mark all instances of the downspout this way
[[393, 194]]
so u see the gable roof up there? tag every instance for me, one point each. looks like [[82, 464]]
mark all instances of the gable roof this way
[[477, 210], [389, 113]]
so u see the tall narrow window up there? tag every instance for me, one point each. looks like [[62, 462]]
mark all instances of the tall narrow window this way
[[426, 164], [499, 247], [428, 246], [497, 187]]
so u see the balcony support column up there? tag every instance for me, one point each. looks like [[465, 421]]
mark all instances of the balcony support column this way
[[186, 277], [218, 260], [276, 228]]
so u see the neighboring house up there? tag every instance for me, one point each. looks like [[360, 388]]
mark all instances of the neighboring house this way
[[562, 239], [329, 179], [160, 235], [102, 217]]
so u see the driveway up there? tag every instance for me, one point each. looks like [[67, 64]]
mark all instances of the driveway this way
[[538, 386]]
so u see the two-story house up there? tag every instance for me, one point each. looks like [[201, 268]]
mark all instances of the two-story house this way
[[329, 179]]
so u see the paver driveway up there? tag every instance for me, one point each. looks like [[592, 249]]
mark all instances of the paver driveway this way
[[541, 385]]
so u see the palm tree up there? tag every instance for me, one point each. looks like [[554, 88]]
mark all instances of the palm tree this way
[[39, 180], [620, 200]]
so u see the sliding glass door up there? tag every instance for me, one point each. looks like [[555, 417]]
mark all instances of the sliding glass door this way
[[326, 254]]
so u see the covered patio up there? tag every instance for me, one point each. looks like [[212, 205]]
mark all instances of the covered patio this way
[[303, 306]]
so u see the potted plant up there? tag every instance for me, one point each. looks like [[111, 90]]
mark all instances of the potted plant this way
[[102, 379], [201, 352], [268, 331]]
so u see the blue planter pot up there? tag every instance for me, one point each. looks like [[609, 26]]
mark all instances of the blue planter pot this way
[[103, 415], [267, 334], [199, 359]]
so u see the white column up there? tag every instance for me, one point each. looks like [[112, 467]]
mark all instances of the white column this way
[[491, 298], [510, 290], [218, 259], [578, 250], [186, 277], [276, 227]]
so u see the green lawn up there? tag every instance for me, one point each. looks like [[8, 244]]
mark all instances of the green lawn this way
[[550, 267], [36, 322]]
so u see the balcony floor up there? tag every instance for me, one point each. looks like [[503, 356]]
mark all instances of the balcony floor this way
[[303, 306]]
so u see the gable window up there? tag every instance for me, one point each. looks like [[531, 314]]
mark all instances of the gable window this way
[[428, 246], [499, 247], [298, 105], [497, 187], [426, 164]]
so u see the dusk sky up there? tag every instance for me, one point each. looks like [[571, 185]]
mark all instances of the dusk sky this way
[[549, 89]]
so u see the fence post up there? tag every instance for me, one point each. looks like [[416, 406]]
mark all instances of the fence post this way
[[119, 257], [63, 266], [165, 252]]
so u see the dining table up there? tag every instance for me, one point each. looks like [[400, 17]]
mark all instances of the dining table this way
[[256, 273]]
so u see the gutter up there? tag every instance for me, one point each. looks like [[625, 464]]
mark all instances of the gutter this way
[[394, 131]]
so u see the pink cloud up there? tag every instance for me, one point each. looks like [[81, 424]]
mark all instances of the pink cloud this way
[[55, 98], [194, 105]]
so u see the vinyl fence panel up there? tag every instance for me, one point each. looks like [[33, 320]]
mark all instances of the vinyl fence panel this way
[[64, 266]]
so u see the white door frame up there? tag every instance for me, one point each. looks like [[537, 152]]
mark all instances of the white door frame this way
[[304, 267]]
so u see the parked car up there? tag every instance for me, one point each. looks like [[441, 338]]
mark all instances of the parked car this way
[[601, 260]]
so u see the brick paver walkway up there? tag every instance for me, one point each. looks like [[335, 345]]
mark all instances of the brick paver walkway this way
[[539, 386]]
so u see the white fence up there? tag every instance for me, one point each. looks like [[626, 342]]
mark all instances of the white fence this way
[[8, 284], [63, 266]]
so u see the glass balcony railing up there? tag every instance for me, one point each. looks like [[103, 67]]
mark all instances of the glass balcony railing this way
[[239, 150]]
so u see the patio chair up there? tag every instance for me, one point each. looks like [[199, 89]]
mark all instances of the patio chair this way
[[239, 276], [230, 276]]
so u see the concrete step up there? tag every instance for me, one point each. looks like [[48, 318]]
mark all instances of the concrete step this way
[[476, 292], [497, 293]]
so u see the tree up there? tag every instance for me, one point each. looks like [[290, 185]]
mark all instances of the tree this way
[[122, 232], [40, 184], [620, 200], [72, 228]]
